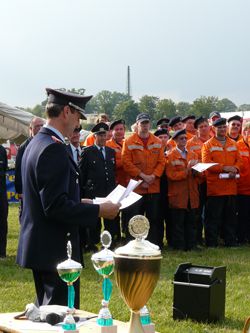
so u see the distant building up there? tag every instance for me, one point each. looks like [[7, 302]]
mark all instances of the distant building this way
[[244, 114], [91, 118]]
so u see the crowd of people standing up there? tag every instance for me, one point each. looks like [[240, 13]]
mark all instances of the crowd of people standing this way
[[185, 208]]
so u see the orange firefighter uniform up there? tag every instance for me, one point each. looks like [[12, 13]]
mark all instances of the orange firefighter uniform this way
[[90, 140], [147, 157], [182, 185], [243, 184], [228, 155], [183, 197], [221, 201], [121, 175], [150, 160]]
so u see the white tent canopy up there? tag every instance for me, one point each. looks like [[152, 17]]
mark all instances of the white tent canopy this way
[[14, 123]]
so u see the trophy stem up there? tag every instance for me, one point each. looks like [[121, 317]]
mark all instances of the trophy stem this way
[[71, 296], [135, 325]]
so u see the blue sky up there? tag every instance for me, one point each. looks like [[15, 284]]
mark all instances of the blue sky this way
[[179, 49]]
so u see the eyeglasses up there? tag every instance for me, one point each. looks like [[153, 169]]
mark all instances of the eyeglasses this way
[[236, 124]]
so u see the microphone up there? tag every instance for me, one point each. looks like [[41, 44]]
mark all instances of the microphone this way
[[54, 318]]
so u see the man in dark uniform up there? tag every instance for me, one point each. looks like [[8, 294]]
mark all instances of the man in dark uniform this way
[[35, 125], [74, 147], [52, 209], [97, 166], [3, 202]]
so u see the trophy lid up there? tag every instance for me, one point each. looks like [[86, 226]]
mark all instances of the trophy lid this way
[[140, 247], [69, 263], [105, 254]]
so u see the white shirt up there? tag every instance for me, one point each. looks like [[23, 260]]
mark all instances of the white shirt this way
[[103, 151], [74, 152], [53, 129], [183, 153]]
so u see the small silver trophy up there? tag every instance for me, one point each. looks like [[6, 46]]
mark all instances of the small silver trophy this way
[[69, 271], [103, 263]]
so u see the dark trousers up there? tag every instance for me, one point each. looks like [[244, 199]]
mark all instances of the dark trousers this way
[[221, 220], [243, 232], [183, 229], [3, 223], [50, 289], [148, 205], [113, 226]]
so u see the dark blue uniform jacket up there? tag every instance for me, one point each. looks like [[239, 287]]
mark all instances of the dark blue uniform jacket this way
[[52, 211]]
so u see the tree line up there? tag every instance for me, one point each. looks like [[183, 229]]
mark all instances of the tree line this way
[[119, 105]]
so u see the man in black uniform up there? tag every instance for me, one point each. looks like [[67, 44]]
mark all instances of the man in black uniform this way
[[97, 166], [52, 209], [3, 202], [35, 125]]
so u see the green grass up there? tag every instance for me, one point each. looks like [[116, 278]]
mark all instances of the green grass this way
[[17, 286]]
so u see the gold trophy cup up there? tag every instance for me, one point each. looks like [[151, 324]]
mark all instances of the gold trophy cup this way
[[137, 270]]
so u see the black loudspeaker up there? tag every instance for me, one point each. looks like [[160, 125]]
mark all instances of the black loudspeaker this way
[[199, 292]]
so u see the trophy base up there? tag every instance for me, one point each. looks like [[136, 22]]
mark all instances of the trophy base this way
[[106, 329], [149, 328]]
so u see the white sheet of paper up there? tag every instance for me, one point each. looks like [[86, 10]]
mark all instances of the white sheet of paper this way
[[130, 188], [99, 200], [200, 167], [116, 194], [122, 195], [130, 199]]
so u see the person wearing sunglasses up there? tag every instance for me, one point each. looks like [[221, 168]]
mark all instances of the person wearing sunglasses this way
[[234, 128]]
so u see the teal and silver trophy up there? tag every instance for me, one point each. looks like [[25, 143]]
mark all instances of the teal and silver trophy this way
[[103, 263], [145, 316], [69, 271]]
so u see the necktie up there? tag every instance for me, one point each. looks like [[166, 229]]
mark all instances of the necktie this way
[[102, 152], [77, 155]]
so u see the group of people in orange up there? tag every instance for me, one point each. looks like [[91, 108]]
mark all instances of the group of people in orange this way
[[185, 208]]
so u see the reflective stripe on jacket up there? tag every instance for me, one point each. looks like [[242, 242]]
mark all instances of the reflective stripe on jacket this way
[[182, 184], [195, 144], [227, 155], [149, 160]]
